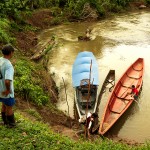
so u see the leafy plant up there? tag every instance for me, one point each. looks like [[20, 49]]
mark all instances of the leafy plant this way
[[5, 27], [25, 85], [34, 113], [30, 135], [147, 1]]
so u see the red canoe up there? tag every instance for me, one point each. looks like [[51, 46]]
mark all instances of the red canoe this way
[[118, 102]]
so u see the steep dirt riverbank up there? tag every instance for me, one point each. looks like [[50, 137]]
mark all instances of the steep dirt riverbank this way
[[26, 43]]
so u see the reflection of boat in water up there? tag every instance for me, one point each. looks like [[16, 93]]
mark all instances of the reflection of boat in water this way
[[85, 82], [119, 101]]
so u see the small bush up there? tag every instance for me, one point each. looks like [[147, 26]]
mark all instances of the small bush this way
[[5, 27], [147, 1], [56, 21], [25, 85]]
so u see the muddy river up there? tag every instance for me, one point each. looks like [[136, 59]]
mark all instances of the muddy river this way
[[116, 43]]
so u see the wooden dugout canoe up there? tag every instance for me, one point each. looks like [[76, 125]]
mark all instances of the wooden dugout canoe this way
[[118, 102]]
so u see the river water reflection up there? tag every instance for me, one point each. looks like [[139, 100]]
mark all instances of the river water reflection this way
[[116, 43]]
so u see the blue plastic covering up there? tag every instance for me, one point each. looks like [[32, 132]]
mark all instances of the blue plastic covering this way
[[81, 69]]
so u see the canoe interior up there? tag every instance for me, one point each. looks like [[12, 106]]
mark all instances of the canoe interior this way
[[108, 83], [118, 101]]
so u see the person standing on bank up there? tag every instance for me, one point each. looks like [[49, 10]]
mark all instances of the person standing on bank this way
[[6, 86]]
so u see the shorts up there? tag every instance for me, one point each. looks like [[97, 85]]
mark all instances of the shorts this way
[[135, 97], [8, 101]]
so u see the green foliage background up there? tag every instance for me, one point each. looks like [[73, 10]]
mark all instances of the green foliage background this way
[[5, 28], [27, 83], [66, 9], [30, 135], [37, 136]]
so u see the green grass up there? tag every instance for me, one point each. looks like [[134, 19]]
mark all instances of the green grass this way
[[34, 113], [5, 35], [29, 135], [27, 83]]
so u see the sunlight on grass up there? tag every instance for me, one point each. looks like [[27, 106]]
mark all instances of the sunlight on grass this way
[[30, 135]]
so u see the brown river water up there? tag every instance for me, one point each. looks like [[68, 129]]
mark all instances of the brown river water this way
[[116, 43]]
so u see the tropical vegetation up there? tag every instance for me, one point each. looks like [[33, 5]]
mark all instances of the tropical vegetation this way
[[37, 136], [12, 12], [29, 75]]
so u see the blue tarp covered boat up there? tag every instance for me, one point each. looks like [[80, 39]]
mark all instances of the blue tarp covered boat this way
[[81, 68], [85, 80]]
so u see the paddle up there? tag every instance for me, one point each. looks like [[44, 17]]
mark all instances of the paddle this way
[[86, 110], [136, 101]]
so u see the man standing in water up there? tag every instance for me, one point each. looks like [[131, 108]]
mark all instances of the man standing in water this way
[[6, 86]]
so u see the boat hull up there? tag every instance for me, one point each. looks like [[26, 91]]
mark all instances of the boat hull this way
[[119, 101]]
